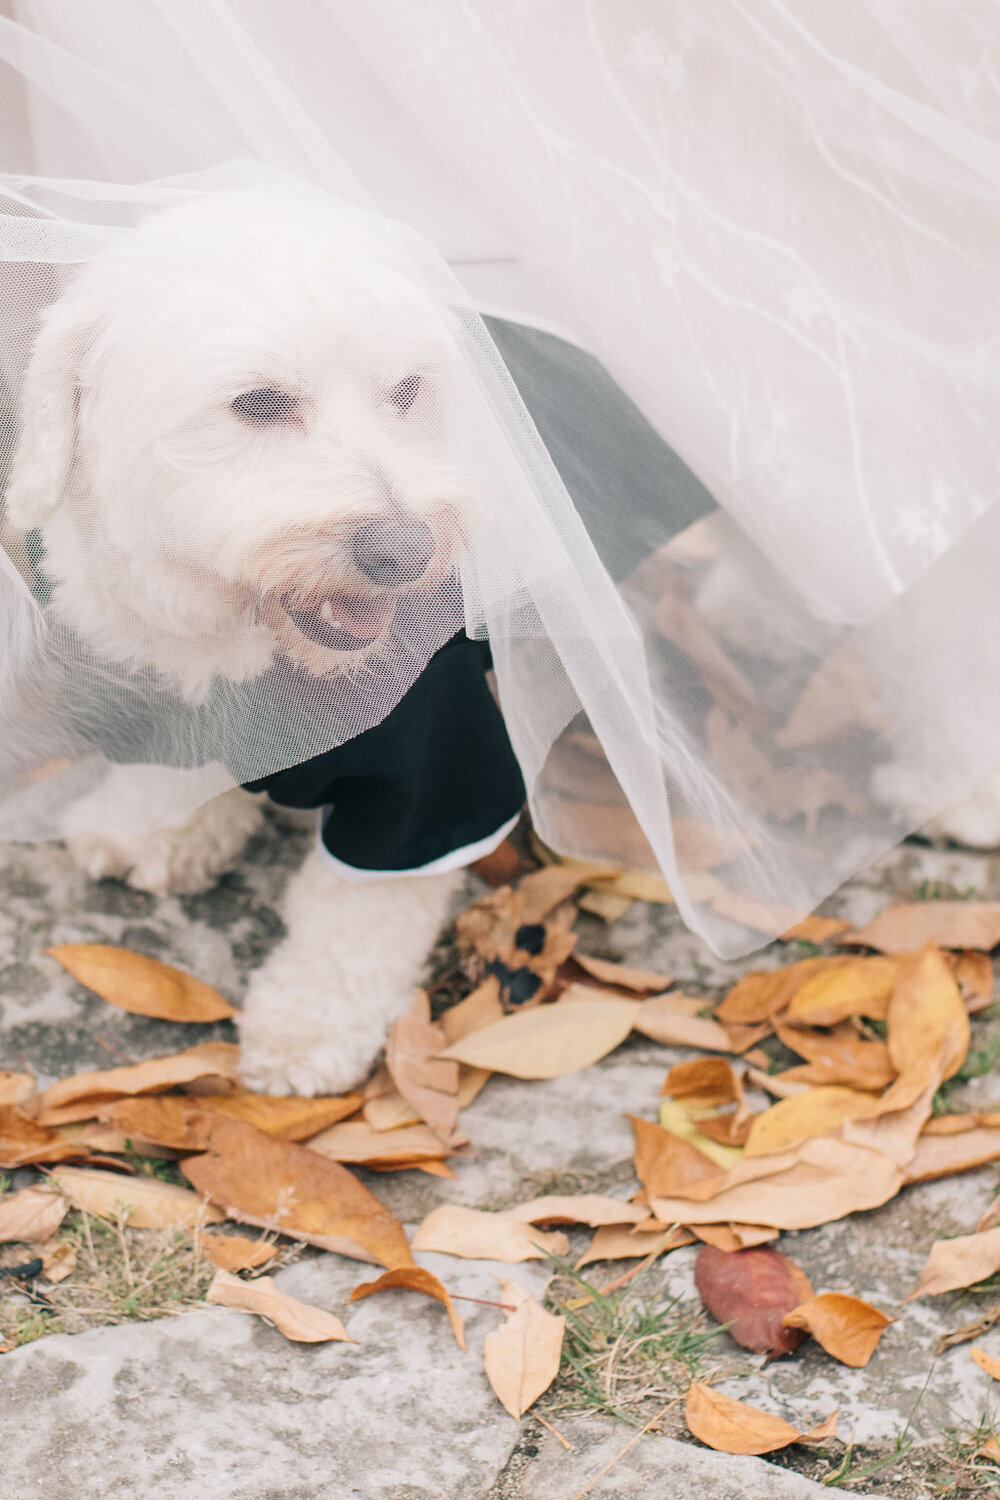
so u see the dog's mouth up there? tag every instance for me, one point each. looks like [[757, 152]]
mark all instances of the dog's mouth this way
[[343, 622]]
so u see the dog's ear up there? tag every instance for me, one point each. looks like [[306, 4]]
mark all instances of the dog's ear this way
[[43, 458]]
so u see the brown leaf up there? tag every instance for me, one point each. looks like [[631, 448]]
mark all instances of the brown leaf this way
[[669, 1167], [58, 1262], [521, 1357], [703, 1083], [959, 1262], [941, 1156], [15, 1087], [414, 1279], [145, 1202], [475, 1234], [296, 1320], [615, 1242], [425, 1079], [581, 1027], [234, 1252], [948, 924], [641, 980], [861, 986], [970, 1331], [168, 1120], [583, 1208], [142, 985], [824, 1180], [974, 972], [752, 1290], [356, 1141], [803, 1116], [986, 1362], [279, 1185], [815, 929], [764, 993], [665, 1021], [734, 1427], [24, 1142], [209, 1060], [501, 867], [730, 1237], [846, 1327], [726, 1129], [840, 1056], [32, 1214]]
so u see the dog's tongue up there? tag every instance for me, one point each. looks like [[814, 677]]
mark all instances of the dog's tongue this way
[[364, 618]]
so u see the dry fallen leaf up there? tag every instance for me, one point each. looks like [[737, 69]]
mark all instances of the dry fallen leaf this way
[[234, 1252], [942, 1156], [733, 1427], [425, 1079], [752, 1290], [581, 1027], [167, 1121], [928, 1026], [804, 1115], [475, 1234], [414, 1279], [584, 1208], [296, 1320], [615, 1242], [145, 1202], [279, 1185], [24, 1142], [703, 1083], [959, 1262], [356, 1141], [31, 1214], [948, 924], [15, 1087], [970, 1331], [58, 1262], [846, 1327], [839, 1056], [815, 929], [478, 1010], [986, 1362], [669, 1167], [142, 985], [641, 980], [732, 1237], [679, 1123], [664, 1020], [521, 1357], [859, 986], [94, 1090]]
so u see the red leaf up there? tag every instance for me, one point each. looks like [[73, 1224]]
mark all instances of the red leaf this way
[[752, 1290]]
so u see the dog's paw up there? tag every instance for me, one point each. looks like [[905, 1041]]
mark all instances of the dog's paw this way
[[277, 1057]]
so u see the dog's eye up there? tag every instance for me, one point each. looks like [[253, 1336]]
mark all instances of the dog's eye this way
[[265, 407], [404, 394]]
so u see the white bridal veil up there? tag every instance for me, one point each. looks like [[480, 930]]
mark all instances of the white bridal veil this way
[[739, 553]]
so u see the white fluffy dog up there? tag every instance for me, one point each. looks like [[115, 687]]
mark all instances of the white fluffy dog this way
[[234, 447]]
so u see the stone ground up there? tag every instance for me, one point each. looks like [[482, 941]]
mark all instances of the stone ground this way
[[215, 1403]]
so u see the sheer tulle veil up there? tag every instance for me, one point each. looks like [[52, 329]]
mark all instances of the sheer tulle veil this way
[[719, 295]]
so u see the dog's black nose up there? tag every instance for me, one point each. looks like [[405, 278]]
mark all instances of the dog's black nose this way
[[394, 550]]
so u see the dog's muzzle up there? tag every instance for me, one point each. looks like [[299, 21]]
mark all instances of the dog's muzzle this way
[[394, 550]]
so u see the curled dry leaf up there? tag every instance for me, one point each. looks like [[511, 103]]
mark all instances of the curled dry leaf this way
[[356, 1141], [234, 1252], [680, 1124], [734, 1427], [703, 1083], [172, 1121], [58, 1262], [732, 1237], [296, 1320], [32, 1214], [16, 1087], [959, 1262], [584, 1208], [752, 1290], [521, 1357], [644, 981], [94, 1090], [804, 1115], [414, 1279], [846, 1327], [425, 1079], [144, 1202], [948, 924], [941, 1156], [616, 1242], [839, 1056], [581, 1027], [24, 1142], [142, 985], [669, 1167], [475, 1234], [279, 1185], [666, 1021], [987, 1362], [815, 929]]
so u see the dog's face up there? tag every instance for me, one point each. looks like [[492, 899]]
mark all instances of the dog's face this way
[[236, 441]]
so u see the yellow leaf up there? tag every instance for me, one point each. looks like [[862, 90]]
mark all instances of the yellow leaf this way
[[734, 1427], [141, 985], [144, 1202], [475, 1234], [521, 1357], [296, 1320], [551, 1040], [803, 1116], [928, 1024], [846, 1327], [414, 1279], [861, 986], [680, 1124]]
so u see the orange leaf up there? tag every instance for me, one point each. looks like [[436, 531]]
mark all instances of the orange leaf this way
[[234, 1252], [941, 1156], [846, 1327], [815, 929], [171, 1121], [414, 1279], [803, 1116], [840, 1056], [142, 985], [16, 1087], [296, 1320], [703, 1083], [209, 1060], [24, 1142], [928, 1024], [145, 1202], [859, 986], [988, 1363], [669, 1167], [733, 1427], [521, 1357]]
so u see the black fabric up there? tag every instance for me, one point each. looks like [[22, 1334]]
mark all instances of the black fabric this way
[[436, 775]]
